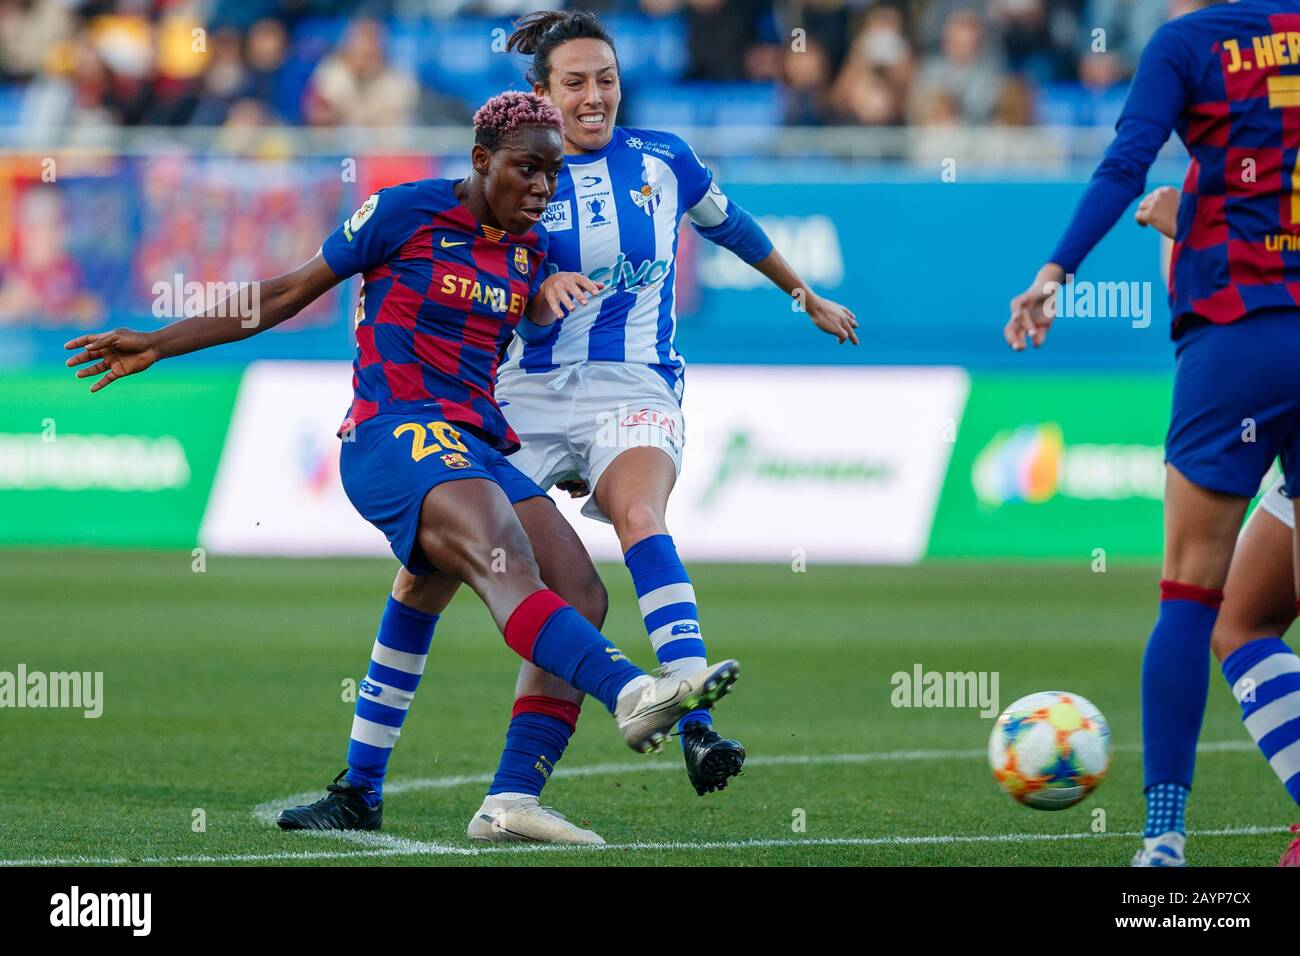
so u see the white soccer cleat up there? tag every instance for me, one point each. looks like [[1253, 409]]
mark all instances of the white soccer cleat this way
[[1164, 850], [649, 706], [516, 819]]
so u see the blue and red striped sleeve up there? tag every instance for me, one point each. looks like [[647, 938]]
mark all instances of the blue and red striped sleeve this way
[[375, 231], [1162, 90]]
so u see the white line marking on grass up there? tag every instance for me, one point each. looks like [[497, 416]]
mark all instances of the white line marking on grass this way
[[383, 845], [266, 812], [375, 845]]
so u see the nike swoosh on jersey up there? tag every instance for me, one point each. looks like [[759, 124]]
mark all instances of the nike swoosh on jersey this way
[[448, 245]]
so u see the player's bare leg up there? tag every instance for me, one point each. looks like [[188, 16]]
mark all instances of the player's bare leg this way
[[633, 492], [546, 708], [1259, 596], [1201, 528]]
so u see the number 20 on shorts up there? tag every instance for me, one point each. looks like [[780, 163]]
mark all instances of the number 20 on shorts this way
[[430, 439]]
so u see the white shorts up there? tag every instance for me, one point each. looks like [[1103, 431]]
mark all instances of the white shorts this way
[[1276, 503], [573, 422]]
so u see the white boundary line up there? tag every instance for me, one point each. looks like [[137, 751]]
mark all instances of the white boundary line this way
[[266, 812], [378, 845]]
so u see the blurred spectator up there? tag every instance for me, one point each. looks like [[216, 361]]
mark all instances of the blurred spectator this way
[[91, 64], [1015, 105], [872, 89], [224, 81], [966, 71], [265, 51], [724, 43], [29, 30], [806, 75], [1127, 25], [824, 22], [355, 87], [1034, 42]]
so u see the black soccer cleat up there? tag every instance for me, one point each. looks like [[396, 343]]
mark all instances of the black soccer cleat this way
[[342, 808], [711, 759]]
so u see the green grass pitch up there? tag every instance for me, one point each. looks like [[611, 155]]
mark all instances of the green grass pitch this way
[[223, 691]]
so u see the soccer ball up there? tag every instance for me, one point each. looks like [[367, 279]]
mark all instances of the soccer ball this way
[[1050, 750]]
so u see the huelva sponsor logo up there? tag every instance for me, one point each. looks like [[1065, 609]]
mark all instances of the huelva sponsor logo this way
[[1034, 464], [745, 459]]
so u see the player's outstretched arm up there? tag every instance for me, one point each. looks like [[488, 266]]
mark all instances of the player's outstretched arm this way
[[1160, 91], [123, 352], [1031, 314], [831, 317], [726, 224]]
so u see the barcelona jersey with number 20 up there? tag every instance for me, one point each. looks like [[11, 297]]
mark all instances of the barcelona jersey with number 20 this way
[[441, 295]]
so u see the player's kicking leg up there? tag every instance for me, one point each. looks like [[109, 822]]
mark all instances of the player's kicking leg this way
[[633, 492], [1259, 606], [462, 525], [545, 710]]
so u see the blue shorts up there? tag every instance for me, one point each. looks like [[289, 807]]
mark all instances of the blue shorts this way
[[1237, 403], [394, 461]]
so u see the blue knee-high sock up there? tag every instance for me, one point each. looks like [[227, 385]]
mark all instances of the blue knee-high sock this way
[[1265, 679], [554, 636], [667, 599], [1175, 686], [396, 663], [540, 728]]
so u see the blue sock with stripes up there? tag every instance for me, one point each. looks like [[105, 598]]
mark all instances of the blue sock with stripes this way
[[667, 599], [396, 663], [1265, 679]]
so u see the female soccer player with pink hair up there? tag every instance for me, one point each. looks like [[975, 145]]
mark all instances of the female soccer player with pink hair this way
[[450, 269]]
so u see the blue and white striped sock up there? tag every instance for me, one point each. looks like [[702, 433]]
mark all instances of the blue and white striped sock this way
[[1265, 679], [396, 663], [667, 599]]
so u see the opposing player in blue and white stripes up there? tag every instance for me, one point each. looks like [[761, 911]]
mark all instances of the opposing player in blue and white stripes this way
[[596, 399]]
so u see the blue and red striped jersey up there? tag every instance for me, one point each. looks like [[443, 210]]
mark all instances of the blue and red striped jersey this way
[[1227, 79], [441, 294]]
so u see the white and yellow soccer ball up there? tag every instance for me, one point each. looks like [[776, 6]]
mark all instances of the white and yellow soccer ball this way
[[1050, 750]]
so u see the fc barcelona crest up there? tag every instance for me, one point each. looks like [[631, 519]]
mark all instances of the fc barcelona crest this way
[[521, 259], [455, 460]]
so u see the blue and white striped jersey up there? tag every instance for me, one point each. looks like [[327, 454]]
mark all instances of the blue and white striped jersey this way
[[614, 217]]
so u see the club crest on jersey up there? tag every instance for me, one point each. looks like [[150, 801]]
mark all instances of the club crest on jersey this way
[[521, 259], [455, 459], [646, 198]]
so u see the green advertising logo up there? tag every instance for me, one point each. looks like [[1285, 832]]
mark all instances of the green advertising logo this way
[[1055, 467], [743, 457], [130, 466]]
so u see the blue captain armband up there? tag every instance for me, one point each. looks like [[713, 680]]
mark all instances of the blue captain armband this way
[[739, 232]]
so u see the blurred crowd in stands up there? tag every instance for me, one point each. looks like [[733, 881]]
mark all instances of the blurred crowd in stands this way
[[323, 63]]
